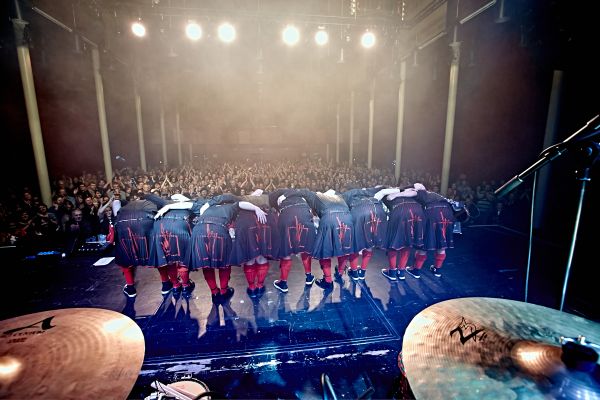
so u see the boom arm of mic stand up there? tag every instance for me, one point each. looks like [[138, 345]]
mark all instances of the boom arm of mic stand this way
[[518, 179], [590, 129]]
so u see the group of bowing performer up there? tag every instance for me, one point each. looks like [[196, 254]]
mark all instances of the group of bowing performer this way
[[182, 235]]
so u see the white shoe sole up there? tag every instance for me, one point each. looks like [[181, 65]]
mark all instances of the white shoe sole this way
[[281, 290]]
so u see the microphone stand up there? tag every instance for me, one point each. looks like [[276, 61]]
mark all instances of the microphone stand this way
[[581, 141]]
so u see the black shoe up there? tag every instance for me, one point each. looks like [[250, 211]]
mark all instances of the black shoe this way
[[401, 275], [227, 295], [323, 284], [260, 291], [177, 292], [166, 287], [338, 277], [281, 286], [361, 274], [412, 271], [391, 274], [436, 271], [129, 291], [252, 293], [217, 298], [310, 279], [353, 274], [187, 290]]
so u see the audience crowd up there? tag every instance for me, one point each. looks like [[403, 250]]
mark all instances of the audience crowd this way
[[83, 206]]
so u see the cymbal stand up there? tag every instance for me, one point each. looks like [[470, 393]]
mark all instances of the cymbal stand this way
[[590, 152], [529, 249], [169, 391], [582, 142]]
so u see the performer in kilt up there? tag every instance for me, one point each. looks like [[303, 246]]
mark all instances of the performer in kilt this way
[[133, 235], [334, 234], [439, 230], [172, 244], [370, 225], [405, 231], [255, 242], [296, 231], [211, 239]]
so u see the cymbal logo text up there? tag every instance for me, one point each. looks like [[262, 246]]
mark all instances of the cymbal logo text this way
[[464, 327]]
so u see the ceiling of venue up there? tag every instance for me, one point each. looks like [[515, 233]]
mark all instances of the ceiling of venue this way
[[401, 26]]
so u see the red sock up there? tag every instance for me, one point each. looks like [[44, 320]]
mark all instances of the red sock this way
[[261, 271], [184, 275], [172, 271], [210, 278], [367, 254], [129, 273], [439, 260], [285, 266], [326, 266], [354, 261], [341, 264], [404, 254], [250, 271], [392, 257], [306, 261], [164, 273], [224, 275], [420, 260]]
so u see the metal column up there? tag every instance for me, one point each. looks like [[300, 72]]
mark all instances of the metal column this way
[[371, 112], [178, 127], [33, 115], [450, 113], [337, 134], [140, 128], [400, 123], [351, 143], [550, 137], [163, 133], [102, 115]]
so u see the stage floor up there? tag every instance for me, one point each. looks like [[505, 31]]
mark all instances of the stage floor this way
[[279, 346]]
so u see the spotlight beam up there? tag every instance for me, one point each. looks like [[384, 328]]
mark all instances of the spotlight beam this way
[[138, 29], [226, 32], [291, 35], [193, 31]]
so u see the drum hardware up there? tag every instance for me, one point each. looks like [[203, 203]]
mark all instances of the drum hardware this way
[[185, 388]]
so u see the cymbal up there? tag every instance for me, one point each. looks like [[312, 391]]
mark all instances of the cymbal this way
[[495, 348], [70, 353]]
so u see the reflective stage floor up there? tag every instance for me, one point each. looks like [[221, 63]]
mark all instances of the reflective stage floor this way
[[279, 346]]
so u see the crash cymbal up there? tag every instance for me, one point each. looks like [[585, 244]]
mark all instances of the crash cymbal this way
[[70, 353], [498, 349]]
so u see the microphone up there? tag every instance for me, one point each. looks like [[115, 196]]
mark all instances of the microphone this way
[[587, 132]]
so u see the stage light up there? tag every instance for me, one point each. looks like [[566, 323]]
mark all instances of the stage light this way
[[291, 35], [226, 32], [138, 29], [321, 37], [368, 40], [193, 31]]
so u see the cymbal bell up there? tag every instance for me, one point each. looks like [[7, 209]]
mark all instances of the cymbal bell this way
[[70, 353], [496, 348]]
